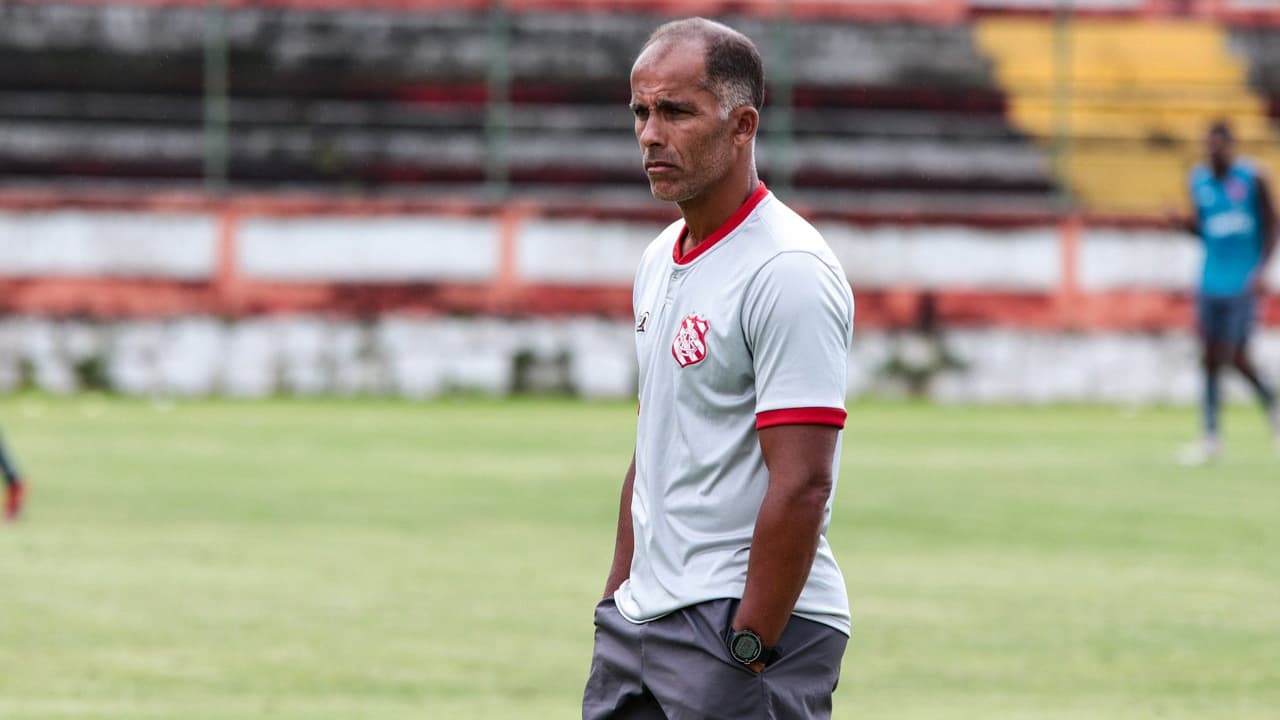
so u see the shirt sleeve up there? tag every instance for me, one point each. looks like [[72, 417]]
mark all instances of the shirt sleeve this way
[[798, 321]]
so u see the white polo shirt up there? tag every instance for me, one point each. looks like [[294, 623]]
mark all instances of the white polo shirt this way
[[749, 330]]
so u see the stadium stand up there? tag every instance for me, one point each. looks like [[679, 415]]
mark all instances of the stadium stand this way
[[1143, 93], [918, 152], [887, 114], [1261, 45]]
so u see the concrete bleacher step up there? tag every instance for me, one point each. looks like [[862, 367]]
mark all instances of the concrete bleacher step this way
[[402, 155], [323, 113], [388, 47], [1141, 95]]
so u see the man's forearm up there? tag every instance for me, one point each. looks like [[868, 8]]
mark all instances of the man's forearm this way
[[1267, 220], [1258, 278], [782, 551], [624, 542]]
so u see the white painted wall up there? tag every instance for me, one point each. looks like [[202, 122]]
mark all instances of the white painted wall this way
[[582, 251], [1112, 259], [946, 256], [420, 358], [113, 244], [1141, 259], [401, 248], [424, 248]]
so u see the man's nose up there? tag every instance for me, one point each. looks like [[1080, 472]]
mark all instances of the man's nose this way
[[650, 133]]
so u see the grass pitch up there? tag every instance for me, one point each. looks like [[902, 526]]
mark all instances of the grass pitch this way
[[377, 559]]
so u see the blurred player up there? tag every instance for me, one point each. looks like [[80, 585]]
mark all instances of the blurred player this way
[[14, 489], [1235, 220], [724, 599]]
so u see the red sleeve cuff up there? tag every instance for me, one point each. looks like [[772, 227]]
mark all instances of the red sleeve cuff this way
[[802, 416]]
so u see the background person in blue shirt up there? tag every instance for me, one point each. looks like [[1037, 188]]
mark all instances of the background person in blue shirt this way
[[1235, 220], [14, 490]]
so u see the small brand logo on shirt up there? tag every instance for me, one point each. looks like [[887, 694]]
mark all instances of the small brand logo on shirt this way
[[690, 345], [644, 318]]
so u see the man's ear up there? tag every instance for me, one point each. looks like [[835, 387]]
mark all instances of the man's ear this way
[[746, 122]]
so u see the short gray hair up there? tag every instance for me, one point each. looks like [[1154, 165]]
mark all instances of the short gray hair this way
[[735, 70]]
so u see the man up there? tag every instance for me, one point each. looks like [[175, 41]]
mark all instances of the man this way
[[1235, 220], [723, 599], [14, 490]]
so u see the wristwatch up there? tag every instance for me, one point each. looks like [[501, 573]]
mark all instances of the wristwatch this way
[[746, 647]]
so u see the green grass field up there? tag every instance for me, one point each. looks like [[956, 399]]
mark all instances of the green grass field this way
[[377, 559]]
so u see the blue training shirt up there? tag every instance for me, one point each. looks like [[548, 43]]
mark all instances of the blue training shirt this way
[[1230, 227]]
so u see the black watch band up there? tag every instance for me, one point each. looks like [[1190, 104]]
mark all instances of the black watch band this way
[[746, 647]]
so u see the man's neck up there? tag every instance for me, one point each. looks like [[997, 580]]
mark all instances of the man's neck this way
[[704, 215]]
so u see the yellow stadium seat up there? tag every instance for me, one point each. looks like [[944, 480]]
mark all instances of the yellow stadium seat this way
[[1140, 96]]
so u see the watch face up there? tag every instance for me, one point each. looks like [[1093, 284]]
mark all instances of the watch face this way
[[745, 647]]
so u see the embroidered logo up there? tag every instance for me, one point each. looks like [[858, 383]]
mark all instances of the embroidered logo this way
[[690, 345], [644, 318]]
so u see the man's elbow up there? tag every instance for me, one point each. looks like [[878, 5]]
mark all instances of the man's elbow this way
[[811, 491]]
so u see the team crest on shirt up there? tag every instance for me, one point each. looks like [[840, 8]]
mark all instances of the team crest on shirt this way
[[1236, 190], [690, 345]]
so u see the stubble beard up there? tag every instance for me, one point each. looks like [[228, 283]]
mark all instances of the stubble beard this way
[[712, 166], [677, 193]]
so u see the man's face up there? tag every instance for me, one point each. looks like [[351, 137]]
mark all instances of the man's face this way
[[687, 145], [1219, 147]]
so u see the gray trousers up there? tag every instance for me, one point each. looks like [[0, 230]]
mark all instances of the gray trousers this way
[[678, 667]]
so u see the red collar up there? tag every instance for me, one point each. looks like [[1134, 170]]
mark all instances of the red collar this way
[[729, 226]]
